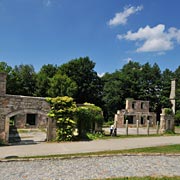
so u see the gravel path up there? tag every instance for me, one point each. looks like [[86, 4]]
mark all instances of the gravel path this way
[[91, 168]]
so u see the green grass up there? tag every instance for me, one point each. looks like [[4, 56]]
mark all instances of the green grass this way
[[170, 149], [107, 136], [144, 178]]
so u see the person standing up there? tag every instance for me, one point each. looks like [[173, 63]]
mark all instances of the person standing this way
[[111, 130]]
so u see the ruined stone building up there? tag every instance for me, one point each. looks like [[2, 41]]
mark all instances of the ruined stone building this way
[[22, 111], [139, 110], [135, 110]]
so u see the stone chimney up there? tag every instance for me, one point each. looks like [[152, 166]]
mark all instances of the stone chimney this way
[[2, 83], [173, 94]]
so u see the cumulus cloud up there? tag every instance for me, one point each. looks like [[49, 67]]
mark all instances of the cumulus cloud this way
[[154, 39], [121, 17]]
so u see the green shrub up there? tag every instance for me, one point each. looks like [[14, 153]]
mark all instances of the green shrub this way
[[168, 111], [62, 111], [87, 115], [177, 118], [1, 142]]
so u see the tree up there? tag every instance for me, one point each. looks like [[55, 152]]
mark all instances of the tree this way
[[4, 67], [62, 111], [113, 94], [177, 77], [61, 85], [150, 85], [43, 79], [131, 79], [89, 84], [23, 80], [166, 78]]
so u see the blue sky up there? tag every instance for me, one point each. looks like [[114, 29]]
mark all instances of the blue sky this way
[[110, 32]]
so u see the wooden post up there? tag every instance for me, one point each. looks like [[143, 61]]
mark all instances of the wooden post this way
[[157, 127], [137, 126], [148, 127], [127, 127]]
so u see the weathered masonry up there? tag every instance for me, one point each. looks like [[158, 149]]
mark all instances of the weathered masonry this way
[[135, 110], [24, 110], [139, 110]]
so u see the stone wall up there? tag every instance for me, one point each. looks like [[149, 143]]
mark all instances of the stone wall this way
[[20, 106]]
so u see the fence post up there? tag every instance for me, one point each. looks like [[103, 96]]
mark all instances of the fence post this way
[[137, 126], [148, 127], [127, 127], [157, 127]]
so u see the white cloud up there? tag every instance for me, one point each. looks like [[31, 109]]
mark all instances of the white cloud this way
[[121, 18], [154, 39], [101, 74], [47, 3]]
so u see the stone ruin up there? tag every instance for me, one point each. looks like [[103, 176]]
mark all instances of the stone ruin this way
[[139, 110], [135, 110], [167, 119], [26, 112]]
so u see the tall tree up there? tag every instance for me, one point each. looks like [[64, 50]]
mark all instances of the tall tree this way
[[43, 79], [89, 85], [62, 85], [177, 76], [150, 85], [131, 79], [23, 80], [166, 78], [4, 67], [113, 94]]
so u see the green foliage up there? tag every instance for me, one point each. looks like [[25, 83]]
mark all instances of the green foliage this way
[[177, 118], [62, 111], [43, 79], [177, 77], [62, 85], [2, 142], [168, 111], [22, 80], [87, 115], [78, 79], [89, 85], [94, 136], [168, 132]]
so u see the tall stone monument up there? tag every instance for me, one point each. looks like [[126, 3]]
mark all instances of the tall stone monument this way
[[173, 95], [167, 120]]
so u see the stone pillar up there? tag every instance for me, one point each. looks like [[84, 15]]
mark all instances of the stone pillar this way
[[2, 126], [51, 129], [173, 94], [166, 122], [162, 122], [2, 84]]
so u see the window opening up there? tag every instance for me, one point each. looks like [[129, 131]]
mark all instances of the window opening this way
[[31, 119]]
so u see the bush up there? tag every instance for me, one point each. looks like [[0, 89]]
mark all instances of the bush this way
[[168, 111], [87, 115], [177, 118], [1, 142], [62, 111]]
